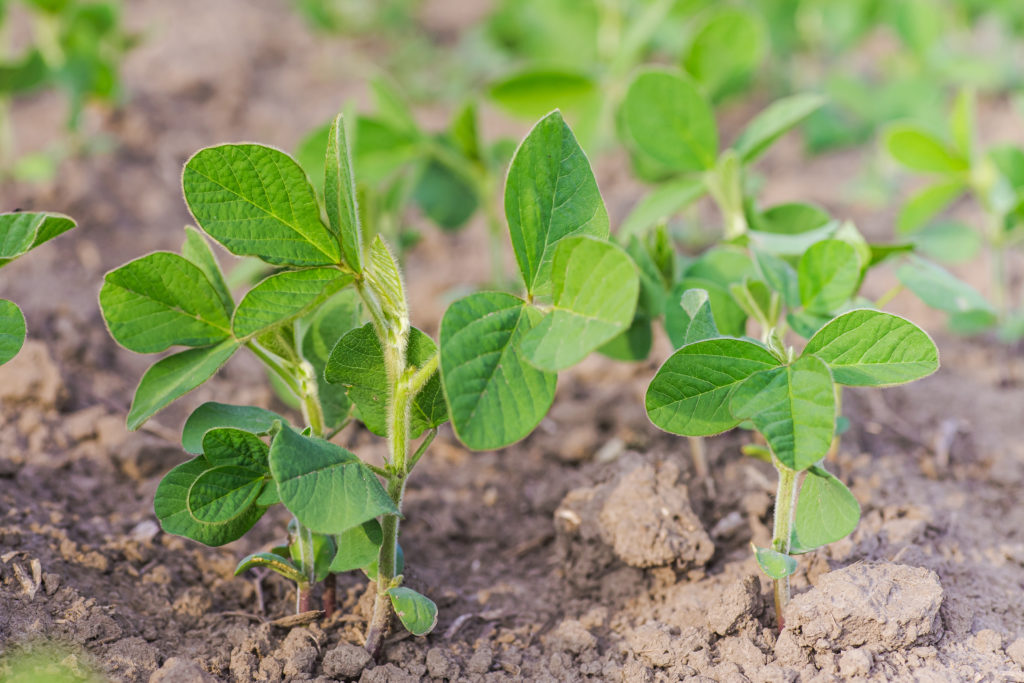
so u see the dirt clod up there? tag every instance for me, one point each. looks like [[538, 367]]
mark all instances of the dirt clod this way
[[570, 636], [881, 606], [855, 662], [132, 659], [181, 670], [441, 664], [345, 661], [739, 603]]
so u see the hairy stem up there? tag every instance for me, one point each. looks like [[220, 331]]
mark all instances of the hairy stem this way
[[785, 507]]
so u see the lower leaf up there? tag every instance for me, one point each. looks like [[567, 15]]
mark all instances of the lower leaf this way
[[12, 330], [417, 612]]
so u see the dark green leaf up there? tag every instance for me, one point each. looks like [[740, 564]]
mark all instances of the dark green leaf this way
[[284, 296], [358, 547], [213, 415]]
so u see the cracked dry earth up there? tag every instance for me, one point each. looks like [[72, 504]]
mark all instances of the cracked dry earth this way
[[590, 551]]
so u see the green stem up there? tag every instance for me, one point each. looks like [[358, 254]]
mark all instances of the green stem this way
[[275, 366], [424, 445], [884, 300], [785, 507]]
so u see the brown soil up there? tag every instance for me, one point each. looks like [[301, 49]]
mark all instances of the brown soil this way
[[588, 551]]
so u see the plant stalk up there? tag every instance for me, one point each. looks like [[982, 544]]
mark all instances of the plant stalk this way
[[785, 507]]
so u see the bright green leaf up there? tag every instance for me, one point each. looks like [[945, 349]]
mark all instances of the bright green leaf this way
[[668, 119], [595, 294], [284, 296], [794, 218], [416, 612], [274, 562], [340, 196], [494, 396], [690, 393], [826, 511], [550, 194], [940, 289], [659, 204], [872, 348], [12, 330], [772, 123], [829, 275], [632, 345], [257, 201], [775, 564], [357, 547], [729, 317], [926, 204], [171, 378], [197, 251], [535, 92], [22, 231], [326, 487], [725, 51], [693, 321], [162, 300], [919, 150], [321, 333], [780, 276], [794, 407]]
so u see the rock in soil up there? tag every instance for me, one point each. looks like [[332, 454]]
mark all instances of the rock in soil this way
[[345, 661], [642, 517], [883, 607]]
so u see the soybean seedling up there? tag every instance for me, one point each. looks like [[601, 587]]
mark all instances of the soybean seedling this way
[[579, 55], [498, 357], [994, 179], [76, 46], [20, 233], [714, 383]]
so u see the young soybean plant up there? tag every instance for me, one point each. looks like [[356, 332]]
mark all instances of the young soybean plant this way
[[20, 233], [714, 383], [498, 358]]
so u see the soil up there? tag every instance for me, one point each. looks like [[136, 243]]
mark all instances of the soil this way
[[589, 551]]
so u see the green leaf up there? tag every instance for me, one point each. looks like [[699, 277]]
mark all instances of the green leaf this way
[[310, 552], [257, 201], [961, 123], [872, 348], [21, 232], [779, 275], [794, 407], [227, 446], [725, 51], [416, 612], [328, 324], [494, 396], [690, 393], [340, 196], [729, 317], [1009, 161], [197, 250], [272, 561], [12, 330], [162, 300], [444, 195], [371, 569], [940, 289], [269, 495], [535, 92], [223, 493], [632, 345], [826, 511], [171, 508], [27, 73], [310, 155], [829, 275], [213, 415], [284, 296], [926, 204], [793, 218], [550, 194], [691, 320], [173, 377], [357, 363], [358, 547], [773, 122], [326, 487], [664, 201], [668, 119], [919, 150], [774, 564], [595, 294]]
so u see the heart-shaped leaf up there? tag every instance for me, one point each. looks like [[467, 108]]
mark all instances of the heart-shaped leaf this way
[[690, 393], [494, 396], [725, 50], [326, 487], [171, 507], [829, 274], [550, 194], [871, 348], [417, 613], [775, 564], [595, 294], [226, 446], [223, 493], [826, 511], [257, 201]]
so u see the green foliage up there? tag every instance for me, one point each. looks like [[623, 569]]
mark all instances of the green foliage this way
[[416, 612]]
